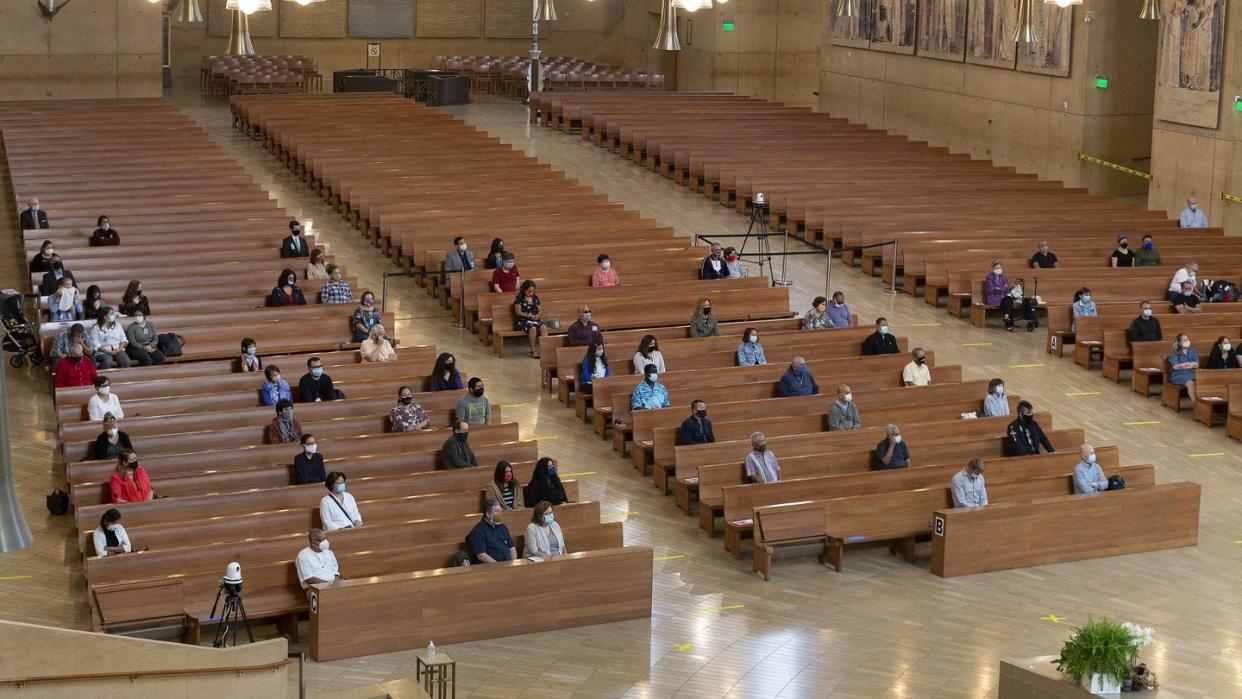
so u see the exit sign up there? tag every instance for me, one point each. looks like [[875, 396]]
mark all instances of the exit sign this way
[[1101, 82], [727, 25]]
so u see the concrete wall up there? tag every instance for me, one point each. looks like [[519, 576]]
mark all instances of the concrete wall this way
[[95, 49]]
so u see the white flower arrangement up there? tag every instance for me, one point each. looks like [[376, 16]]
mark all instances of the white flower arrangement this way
[[1141, 636]]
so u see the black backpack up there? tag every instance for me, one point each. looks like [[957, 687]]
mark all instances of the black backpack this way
[[170, 344], [58, 502]]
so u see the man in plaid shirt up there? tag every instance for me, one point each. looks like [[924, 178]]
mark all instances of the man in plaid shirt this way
[[335, 290]]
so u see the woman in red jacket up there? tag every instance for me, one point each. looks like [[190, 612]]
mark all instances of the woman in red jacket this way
[[129, 480]]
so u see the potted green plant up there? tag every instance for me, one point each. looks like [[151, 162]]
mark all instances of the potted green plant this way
[[1100, 653]]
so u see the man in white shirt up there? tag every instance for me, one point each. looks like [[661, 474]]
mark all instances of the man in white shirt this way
[[967, 486], [1188, 273], [316, 564], [916, 372], [1192, 216]]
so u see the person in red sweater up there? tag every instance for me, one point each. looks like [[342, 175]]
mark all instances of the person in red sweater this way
[[75, 370], [129, 480], [506, 277]]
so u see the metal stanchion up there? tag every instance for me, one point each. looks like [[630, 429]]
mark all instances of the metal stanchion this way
[[828, 277], [461, 300], [892, 289]]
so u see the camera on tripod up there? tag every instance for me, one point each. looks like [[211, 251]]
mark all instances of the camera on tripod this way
[[232, 580], [233, 613], [759, 204]]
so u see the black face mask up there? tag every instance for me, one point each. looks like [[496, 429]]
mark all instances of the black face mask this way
[[477, 393], [1028, 419], [920, 360], [58, 266], [406, 400], [701, 413], [707, 311], [461, 437]]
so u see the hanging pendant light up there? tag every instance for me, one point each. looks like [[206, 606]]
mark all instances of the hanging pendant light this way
[[847, 8], [666, 39], [304, 3], [1062, 3], [546, 11], [249, 7], [1151, 10], [188, 11], [1026, 28], [692, 5]]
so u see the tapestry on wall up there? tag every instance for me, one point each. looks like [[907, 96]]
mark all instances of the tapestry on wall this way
[[1050, 53], [893, 25], [990, 27], [377, 19], [459, 19], [942, 29], [852, 31], [1188, 76]]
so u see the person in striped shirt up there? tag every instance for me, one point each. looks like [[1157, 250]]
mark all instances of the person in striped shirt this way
[[761, 464]]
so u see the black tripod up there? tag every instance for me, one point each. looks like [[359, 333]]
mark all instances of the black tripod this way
[[231, 616], [759, 221]]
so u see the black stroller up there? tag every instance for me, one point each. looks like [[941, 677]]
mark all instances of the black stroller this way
[[1024, 307], [20, 337]]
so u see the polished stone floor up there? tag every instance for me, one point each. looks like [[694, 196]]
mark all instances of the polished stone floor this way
[[881, 627]]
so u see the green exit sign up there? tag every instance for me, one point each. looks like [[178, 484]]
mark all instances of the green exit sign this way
[[1237, 103], [1101, 82], [727, 25]]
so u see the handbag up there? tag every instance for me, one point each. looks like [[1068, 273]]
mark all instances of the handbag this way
[[58, 502], [170, 344], [553, 322]]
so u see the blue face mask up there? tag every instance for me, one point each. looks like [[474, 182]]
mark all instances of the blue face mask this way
[[552, 470], [317, 372], [340, 487], [1147, 246], [884, 330]]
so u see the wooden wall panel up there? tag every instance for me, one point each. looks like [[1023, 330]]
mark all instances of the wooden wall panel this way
[[449, 18], [508, 19], [262, 24], [373, 19], [320, 20]]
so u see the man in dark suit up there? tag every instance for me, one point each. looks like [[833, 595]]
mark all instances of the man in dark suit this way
[[51, 279], [34, 217], [294, 245], [881, 341]]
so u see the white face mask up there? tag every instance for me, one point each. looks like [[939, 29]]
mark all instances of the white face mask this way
[[112, 432], [1226, 347], [107, 226], [1086, 299], [1185, 344], [996, 271], [105, 390], [312, 448], [462, 247], [323, 545], [548, 518], [847, 397], [139, 319], [897, 439], [1146, 312], [606, 265], [1000, 390]]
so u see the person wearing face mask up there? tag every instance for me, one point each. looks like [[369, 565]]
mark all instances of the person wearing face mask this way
[[74, 369], [107, 340], [714, 266], [1192, 216], [249, 362], [65, 304], [284, 429], [1043, 257], [967, 486], [456, 451], [916, 372], [406, 415], [842, 413], [504, 488], [1147, 255], [1189, 272], [474, 407], [110, 538], [584, 331], [33, 217], [489, 541], [1025, 434], [545, 484], [42, 263], [994, 403], [287, 292], [737, 268], [74, 334], [103, 401], [51, 279], [93, 303], [460, 258], [1146, 327], [129, 481], [366, 316], [1187, 301], [697, 429], [1224, 355], [544, 539], [338, 509], [750, 352], [104, 234], [526, 315], [316, 268], [444, 374], [294, 245], [308, 466], [881, 341], [144, 341], [506, 277], [1122, 256], [315, 385], [1088, 476], [1183, 362], [1083, 306], [111, 442], [761, 464], [892, 451], [316, 563], [703, 322], [648, 353], [817, 318], [274, 388], [495, 254], [649, 394], [797, 381], [594, 366], [336, 289], [996, 293], [377, 347], [837, 311], [133, 301], [605, 274]]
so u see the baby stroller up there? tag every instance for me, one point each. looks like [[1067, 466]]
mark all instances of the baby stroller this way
[[1025, 307], [20, 337]]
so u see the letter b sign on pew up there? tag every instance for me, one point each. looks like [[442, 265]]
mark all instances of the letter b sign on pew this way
[[938, 529]]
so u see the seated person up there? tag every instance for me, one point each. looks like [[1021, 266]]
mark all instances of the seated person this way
[[65, 303], [51, 280], [916, 372], [1083, 306], [702, 322], [1147, 255], [92, 303], [1025, 434], [817, 318], [544, 539], [287, 292], [474, 407], [75, 369], [133, 301], [377, 348], [545, 484], [714, 266], [275, 388], [505, 489], [489, 540], [144, 341], [1088, 476], [797, 381], [842, 413], [316, 268], [1187, 301], [103, 401], [891, 452], [460, 258], [750, 352], [110, 538], [994, 403], [107, 340], [315, 386], [1192, 216], [284, 429], [967, 486], [42, 263], [104, 235], [444, 374], [338, 509], [1188, 273], [737, 268], [697, 429], [605, 274], [594, 366], [526, 315], [129, 481], [33, 218], [649, 353], [294, 245], [1183, 362], [761, 464], [111, 442], [495, 254], [1044, 258], [1122, 256], [336, 289], [649, 393], [456, 451], [1223, 356], [406, 415], [996, 293], [317, 564], [308, 466], [837, 310], [506, 277], [881, 341], [582, 331], [366, 316], [1145, 328], [75, 333]]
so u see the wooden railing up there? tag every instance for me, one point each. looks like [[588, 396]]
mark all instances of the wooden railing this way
[[132, 675]]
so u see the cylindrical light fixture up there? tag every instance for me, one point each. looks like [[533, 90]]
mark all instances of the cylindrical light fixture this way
[[546, 12], [1062, 3], [848, 8], [1151, 10], [239, 35], [692, 5], [304, 3], [1026, 27], [249, 7], [666, 39], [188, 11]]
